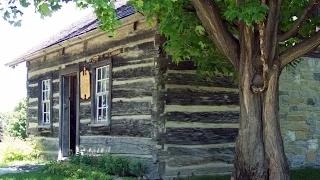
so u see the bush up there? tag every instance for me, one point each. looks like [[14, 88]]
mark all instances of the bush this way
[[137, 168], [79, 171], [112, 165], [19, 150]]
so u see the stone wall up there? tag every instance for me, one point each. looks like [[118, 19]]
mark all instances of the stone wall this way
[[300, 113]]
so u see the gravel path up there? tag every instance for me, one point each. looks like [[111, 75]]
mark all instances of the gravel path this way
[[18, 169]]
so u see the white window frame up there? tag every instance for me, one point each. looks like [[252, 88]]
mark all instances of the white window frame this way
[[45, 101], [102, 93]]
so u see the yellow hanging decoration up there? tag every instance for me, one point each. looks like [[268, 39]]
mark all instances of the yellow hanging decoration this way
[[85, 84]]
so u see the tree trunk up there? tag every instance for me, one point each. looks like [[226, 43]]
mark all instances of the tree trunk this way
[[259, 151]]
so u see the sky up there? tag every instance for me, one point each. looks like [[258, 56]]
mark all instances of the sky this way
[[15, 41]]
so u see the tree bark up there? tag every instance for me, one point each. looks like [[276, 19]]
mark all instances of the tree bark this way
[[259, 153]]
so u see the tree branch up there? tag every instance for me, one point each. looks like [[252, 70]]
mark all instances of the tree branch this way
[[211, 19], [272, 25], [294, 31], [299, 49]]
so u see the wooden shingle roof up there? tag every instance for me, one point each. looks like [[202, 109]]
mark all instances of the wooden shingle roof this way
[[87, 24]]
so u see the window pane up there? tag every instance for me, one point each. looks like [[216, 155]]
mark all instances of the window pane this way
[[48, 107], [99, 114], [100, 101], [48, 84], [44, 118], [43, 85], [104, 85], [104, 101], [103, 69], [99, 74], [107, 71], [44, 107], [47, 117], [104, 113]]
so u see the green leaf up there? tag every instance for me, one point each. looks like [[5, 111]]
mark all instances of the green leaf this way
[[44, 9]]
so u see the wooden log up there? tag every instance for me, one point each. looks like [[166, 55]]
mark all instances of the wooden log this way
[[85, 111], [130, 108], [44, 132], [38, 65], [118, 61], [130, 93], [48, 144], [41, 76], [140, 72], [183, 65], [192, 97], [178, 157], [197, 170], [117, 145], [205, 117], [197, 136], [190, 79], [145, 46], [125, 127], [137, 84]]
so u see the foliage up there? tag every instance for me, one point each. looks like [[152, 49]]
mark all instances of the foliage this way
[[16, 121], [178, 21], [69, 170], [112, 165], [19, 150]]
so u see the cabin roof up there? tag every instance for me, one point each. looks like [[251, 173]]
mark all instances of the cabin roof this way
[[78, 28]]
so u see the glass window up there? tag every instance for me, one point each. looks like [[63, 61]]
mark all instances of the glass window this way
[[46, 91], [102, 93]]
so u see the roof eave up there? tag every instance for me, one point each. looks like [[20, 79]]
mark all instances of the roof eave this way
[[96, 32]]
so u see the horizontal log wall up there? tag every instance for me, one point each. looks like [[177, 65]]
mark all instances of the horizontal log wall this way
[[133, 87], [201, 122]]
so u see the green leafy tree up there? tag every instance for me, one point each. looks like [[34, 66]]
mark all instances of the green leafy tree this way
[[252, 39], [15, 122]]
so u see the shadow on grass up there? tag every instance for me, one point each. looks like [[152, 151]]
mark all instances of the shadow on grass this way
[[31, 176]]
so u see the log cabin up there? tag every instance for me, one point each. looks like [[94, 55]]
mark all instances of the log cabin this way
[[88, 92]]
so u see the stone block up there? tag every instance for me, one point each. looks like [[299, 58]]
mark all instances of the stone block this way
[[298, 127], [293, 108], [311, 101], [291, 135], [311, 156], [294, 100], [297, 118], [301, 136], [316, 76], [298, 160], [313, 144]]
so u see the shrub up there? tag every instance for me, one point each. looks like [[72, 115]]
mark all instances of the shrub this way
[[112, 165], [69, 170], [137, 168], [19, 150]]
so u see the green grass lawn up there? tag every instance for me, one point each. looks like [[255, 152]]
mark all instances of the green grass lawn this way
[[31, 176], [302, 174]]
